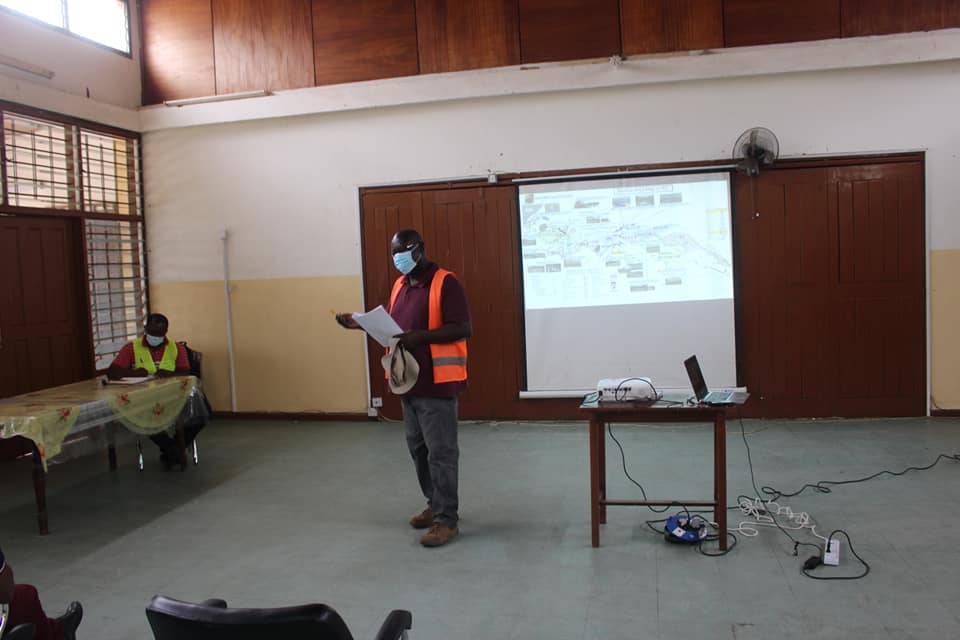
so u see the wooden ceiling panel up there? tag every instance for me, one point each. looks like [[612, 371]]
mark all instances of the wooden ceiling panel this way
[[568, 29], [177, 50], [755, 22], [875, 17], [356, 40], [657, 26], [455, 35]]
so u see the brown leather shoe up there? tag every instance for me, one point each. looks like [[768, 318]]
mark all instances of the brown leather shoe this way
[[439, 535], [422, 520]]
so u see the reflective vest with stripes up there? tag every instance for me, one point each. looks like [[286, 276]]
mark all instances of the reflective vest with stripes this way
[[449, 359], [143, 359]]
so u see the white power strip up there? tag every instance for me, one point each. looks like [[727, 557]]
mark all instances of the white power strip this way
[[831, 552]]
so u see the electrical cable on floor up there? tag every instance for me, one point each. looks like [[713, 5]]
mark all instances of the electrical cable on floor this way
[[796, 543], [820, 486], [690, 514], [623, 460]]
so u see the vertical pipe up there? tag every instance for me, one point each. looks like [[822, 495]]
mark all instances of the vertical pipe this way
[[226, 297]]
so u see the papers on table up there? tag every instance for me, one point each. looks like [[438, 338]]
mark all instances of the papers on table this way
[[128, 380], [378, 324]]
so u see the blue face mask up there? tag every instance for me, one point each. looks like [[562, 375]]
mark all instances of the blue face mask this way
[[154, 341], [404, 261]]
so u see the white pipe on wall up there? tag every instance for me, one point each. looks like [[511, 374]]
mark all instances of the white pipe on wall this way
[[226, 298]]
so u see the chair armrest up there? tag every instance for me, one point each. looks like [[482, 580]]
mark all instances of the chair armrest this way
[[395, 625], [21, 632], [215, 602]]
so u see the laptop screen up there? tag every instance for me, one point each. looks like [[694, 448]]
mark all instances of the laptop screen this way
[[696, 377]]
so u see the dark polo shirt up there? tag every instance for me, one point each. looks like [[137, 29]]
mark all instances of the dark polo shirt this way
[[411, 310]]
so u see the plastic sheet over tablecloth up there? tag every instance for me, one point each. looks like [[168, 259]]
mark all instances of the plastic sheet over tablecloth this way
[[49, 416]]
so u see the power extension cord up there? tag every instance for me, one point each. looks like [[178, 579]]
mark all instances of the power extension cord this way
[[831, 553]]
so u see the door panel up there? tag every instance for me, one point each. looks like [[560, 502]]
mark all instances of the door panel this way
[[472, 232], [831, 291], [43, 327], [382, 215], [880, 290], [784, 245]]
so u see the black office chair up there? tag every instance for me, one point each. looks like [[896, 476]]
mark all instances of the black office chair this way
[[193, 425], [211, 620]]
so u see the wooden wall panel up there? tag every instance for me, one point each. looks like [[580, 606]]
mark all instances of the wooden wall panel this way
[[454, 35], [262, 44], [568, 29], [755, 22], [655, 26], [355, 40], [177, 50], [874, 17]]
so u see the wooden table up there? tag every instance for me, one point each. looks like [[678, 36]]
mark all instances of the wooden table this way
[[625, 412], [47, 417]]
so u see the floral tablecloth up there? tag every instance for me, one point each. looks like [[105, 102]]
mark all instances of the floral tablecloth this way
[[48, 416]]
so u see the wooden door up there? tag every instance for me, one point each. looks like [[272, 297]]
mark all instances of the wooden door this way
[[783, 251], [472, 232], [831, 315], [878, 295], [43, 323]]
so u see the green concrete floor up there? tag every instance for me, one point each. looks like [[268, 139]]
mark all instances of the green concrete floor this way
[[281, 513]]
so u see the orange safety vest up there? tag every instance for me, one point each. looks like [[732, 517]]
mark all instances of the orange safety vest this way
[[450, 358]]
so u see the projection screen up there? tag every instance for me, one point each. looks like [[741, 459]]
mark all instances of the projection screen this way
[[627, 277]]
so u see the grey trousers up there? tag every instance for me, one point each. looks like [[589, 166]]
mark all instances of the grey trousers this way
[[431, 427]]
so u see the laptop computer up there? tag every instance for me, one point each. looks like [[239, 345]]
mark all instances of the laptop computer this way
[[704, 395]]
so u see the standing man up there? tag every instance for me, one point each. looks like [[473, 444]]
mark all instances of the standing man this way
[[430, 305], [156, 355], [24, 608]]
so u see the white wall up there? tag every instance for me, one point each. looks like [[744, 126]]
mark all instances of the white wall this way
[[80, 68], [287, 188]]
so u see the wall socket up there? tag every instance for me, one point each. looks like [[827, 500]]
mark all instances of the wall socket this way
[[832, 556], [376, 402]]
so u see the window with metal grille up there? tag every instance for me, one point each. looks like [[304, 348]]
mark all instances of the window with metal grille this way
[[62, 168], [105, 22], [109, 174], [118, 285], [39, 163]]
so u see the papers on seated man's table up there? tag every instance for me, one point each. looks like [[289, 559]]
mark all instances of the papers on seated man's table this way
[[128, 380], [378, 324]]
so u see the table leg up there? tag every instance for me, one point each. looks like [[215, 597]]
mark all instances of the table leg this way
[[602, 454], [181, 447], [720, 476], [40, 491], [596, 441], [112, 457]]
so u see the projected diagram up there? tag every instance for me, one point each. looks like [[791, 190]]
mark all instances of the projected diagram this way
[[626, 245]]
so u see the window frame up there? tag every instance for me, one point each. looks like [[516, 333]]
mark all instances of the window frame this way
[[66, 30]]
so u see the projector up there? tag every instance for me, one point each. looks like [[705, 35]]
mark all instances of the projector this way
[[626, 390]]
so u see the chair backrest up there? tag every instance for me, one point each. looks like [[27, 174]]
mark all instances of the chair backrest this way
[[21, 632], [176, 620], [195, 358]]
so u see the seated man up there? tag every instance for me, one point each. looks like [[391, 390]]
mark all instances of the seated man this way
[[25, 608], [156, 355]]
